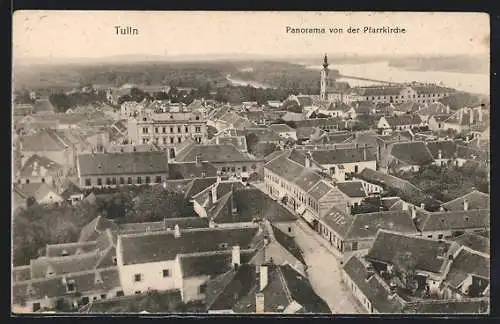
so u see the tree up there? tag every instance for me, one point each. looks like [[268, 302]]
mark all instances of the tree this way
[[404, 266]]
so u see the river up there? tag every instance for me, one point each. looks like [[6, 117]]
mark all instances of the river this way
[[475, 83]]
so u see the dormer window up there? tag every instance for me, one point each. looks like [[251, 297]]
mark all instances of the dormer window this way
[[70, 286], [223, 245], [115, 261], [64, 253]]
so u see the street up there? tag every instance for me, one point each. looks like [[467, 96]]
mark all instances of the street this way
[[323, 269], [324, 273]]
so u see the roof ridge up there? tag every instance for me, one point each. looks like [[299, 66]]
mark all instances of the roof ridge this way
[[70, 274], [284, 283]]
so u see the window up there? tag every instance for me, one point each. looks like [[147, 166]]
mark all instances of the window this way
[[99, 181], [148, 179], [156, 130], [164, 140], [103, 296], [171, 140], [171, 129], [137, 292], [88, 182], [289, 229], [122, 181], [164, 130], [166, 273], [113, 180], [203, 288], [137, 277], [129, 180], [36, 307], [139, 180], [244, 168], [186, 129], [85, 300], [440, 236], [120, 293], [158, 179], [94, 298], [114, 260], [356, 168], [43, 180], [233, 169], [429, 236], [197, 117], [198, 129], [179, 129], [70, 286], [108, 181]]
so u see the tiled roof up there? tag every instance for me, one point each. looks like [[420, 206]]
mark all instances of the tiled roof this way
[[333, 138], [252, 202], [184, 223], [288, 243], [197, 185], [441, 117], [304, 101], [456, 220], [469, 153], [284, 167], [403, 120], [152, 247], [211, 263], [64, 265], [33, 166], [44, 139], [430, 89], [344, 155], [475, 242], [373, 288], [35, 190], [467, 263], [263, 134], [475, 200], [212, 153], [239, 142], [428, 255], [56, 250], [281, 128], [122, 163], [189, 170], [366, 225], [320, 189], [21, 273], [435, 108], [378, 91], [409, 106], [412, 153], [93, 230], [71, 189], [353, 189], [307, 180], [43, 105], [318, 122]]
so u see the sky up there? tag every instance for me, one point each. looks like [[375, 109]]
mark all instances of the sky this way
[[68, 35]]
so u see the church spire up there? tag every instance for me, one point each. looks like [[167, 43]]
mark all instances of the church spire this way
[[325, 61]]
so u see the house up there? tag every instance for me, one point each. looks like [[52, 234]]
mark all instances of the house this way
[[409, 156], [239, 142], [364, 107], [264, 135], [437, 122], [39, 169], [351, 233], [473, 200], [292, 117], [23, 109], [301, 100], [225, 157], [342, 161], [72, 193], [49, 144], [407, 121], [191, 170], [269, 288], [326, 124], [444, 153], [433, 109], [464, 119], [377, 296], [112, 169], [308, 134], [474, 242], [355, 190], [43, 193], [284, 131], [301, 184]]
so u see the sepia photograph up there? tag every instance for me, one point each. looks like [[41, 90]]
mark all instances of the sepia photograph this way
[[239, 162]]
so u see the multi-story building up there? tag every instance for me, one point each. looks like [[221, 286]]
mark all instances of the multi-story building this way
[[167, 129]]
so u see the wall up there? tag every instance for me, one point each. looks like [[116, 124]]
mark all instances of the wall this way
[[93, 178], [286, 227], [199, 209], [357, 292], [350, 167], [191, 286], [152, 276], [382, 123]]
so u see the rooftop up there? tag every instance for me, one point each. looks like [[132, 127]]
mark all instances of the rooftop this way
[[412, 153], [212, 153]]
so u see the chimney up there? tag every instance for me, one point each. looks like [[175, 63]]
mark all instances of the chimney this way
[[177, 231], [263, 277], [471, 116], [211, 223], [214, 193], [364, 153], [308, 160], [356, 145], [413, 213], [234, 208], [259, 303], [405, 205], [198, 160], [422, 205], [447, 109], [440, 154], [235, 259], [466, 205], [348, 209]]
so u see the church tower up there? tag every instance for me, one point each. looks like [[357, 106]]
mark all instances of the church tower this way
[[324, 80]]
